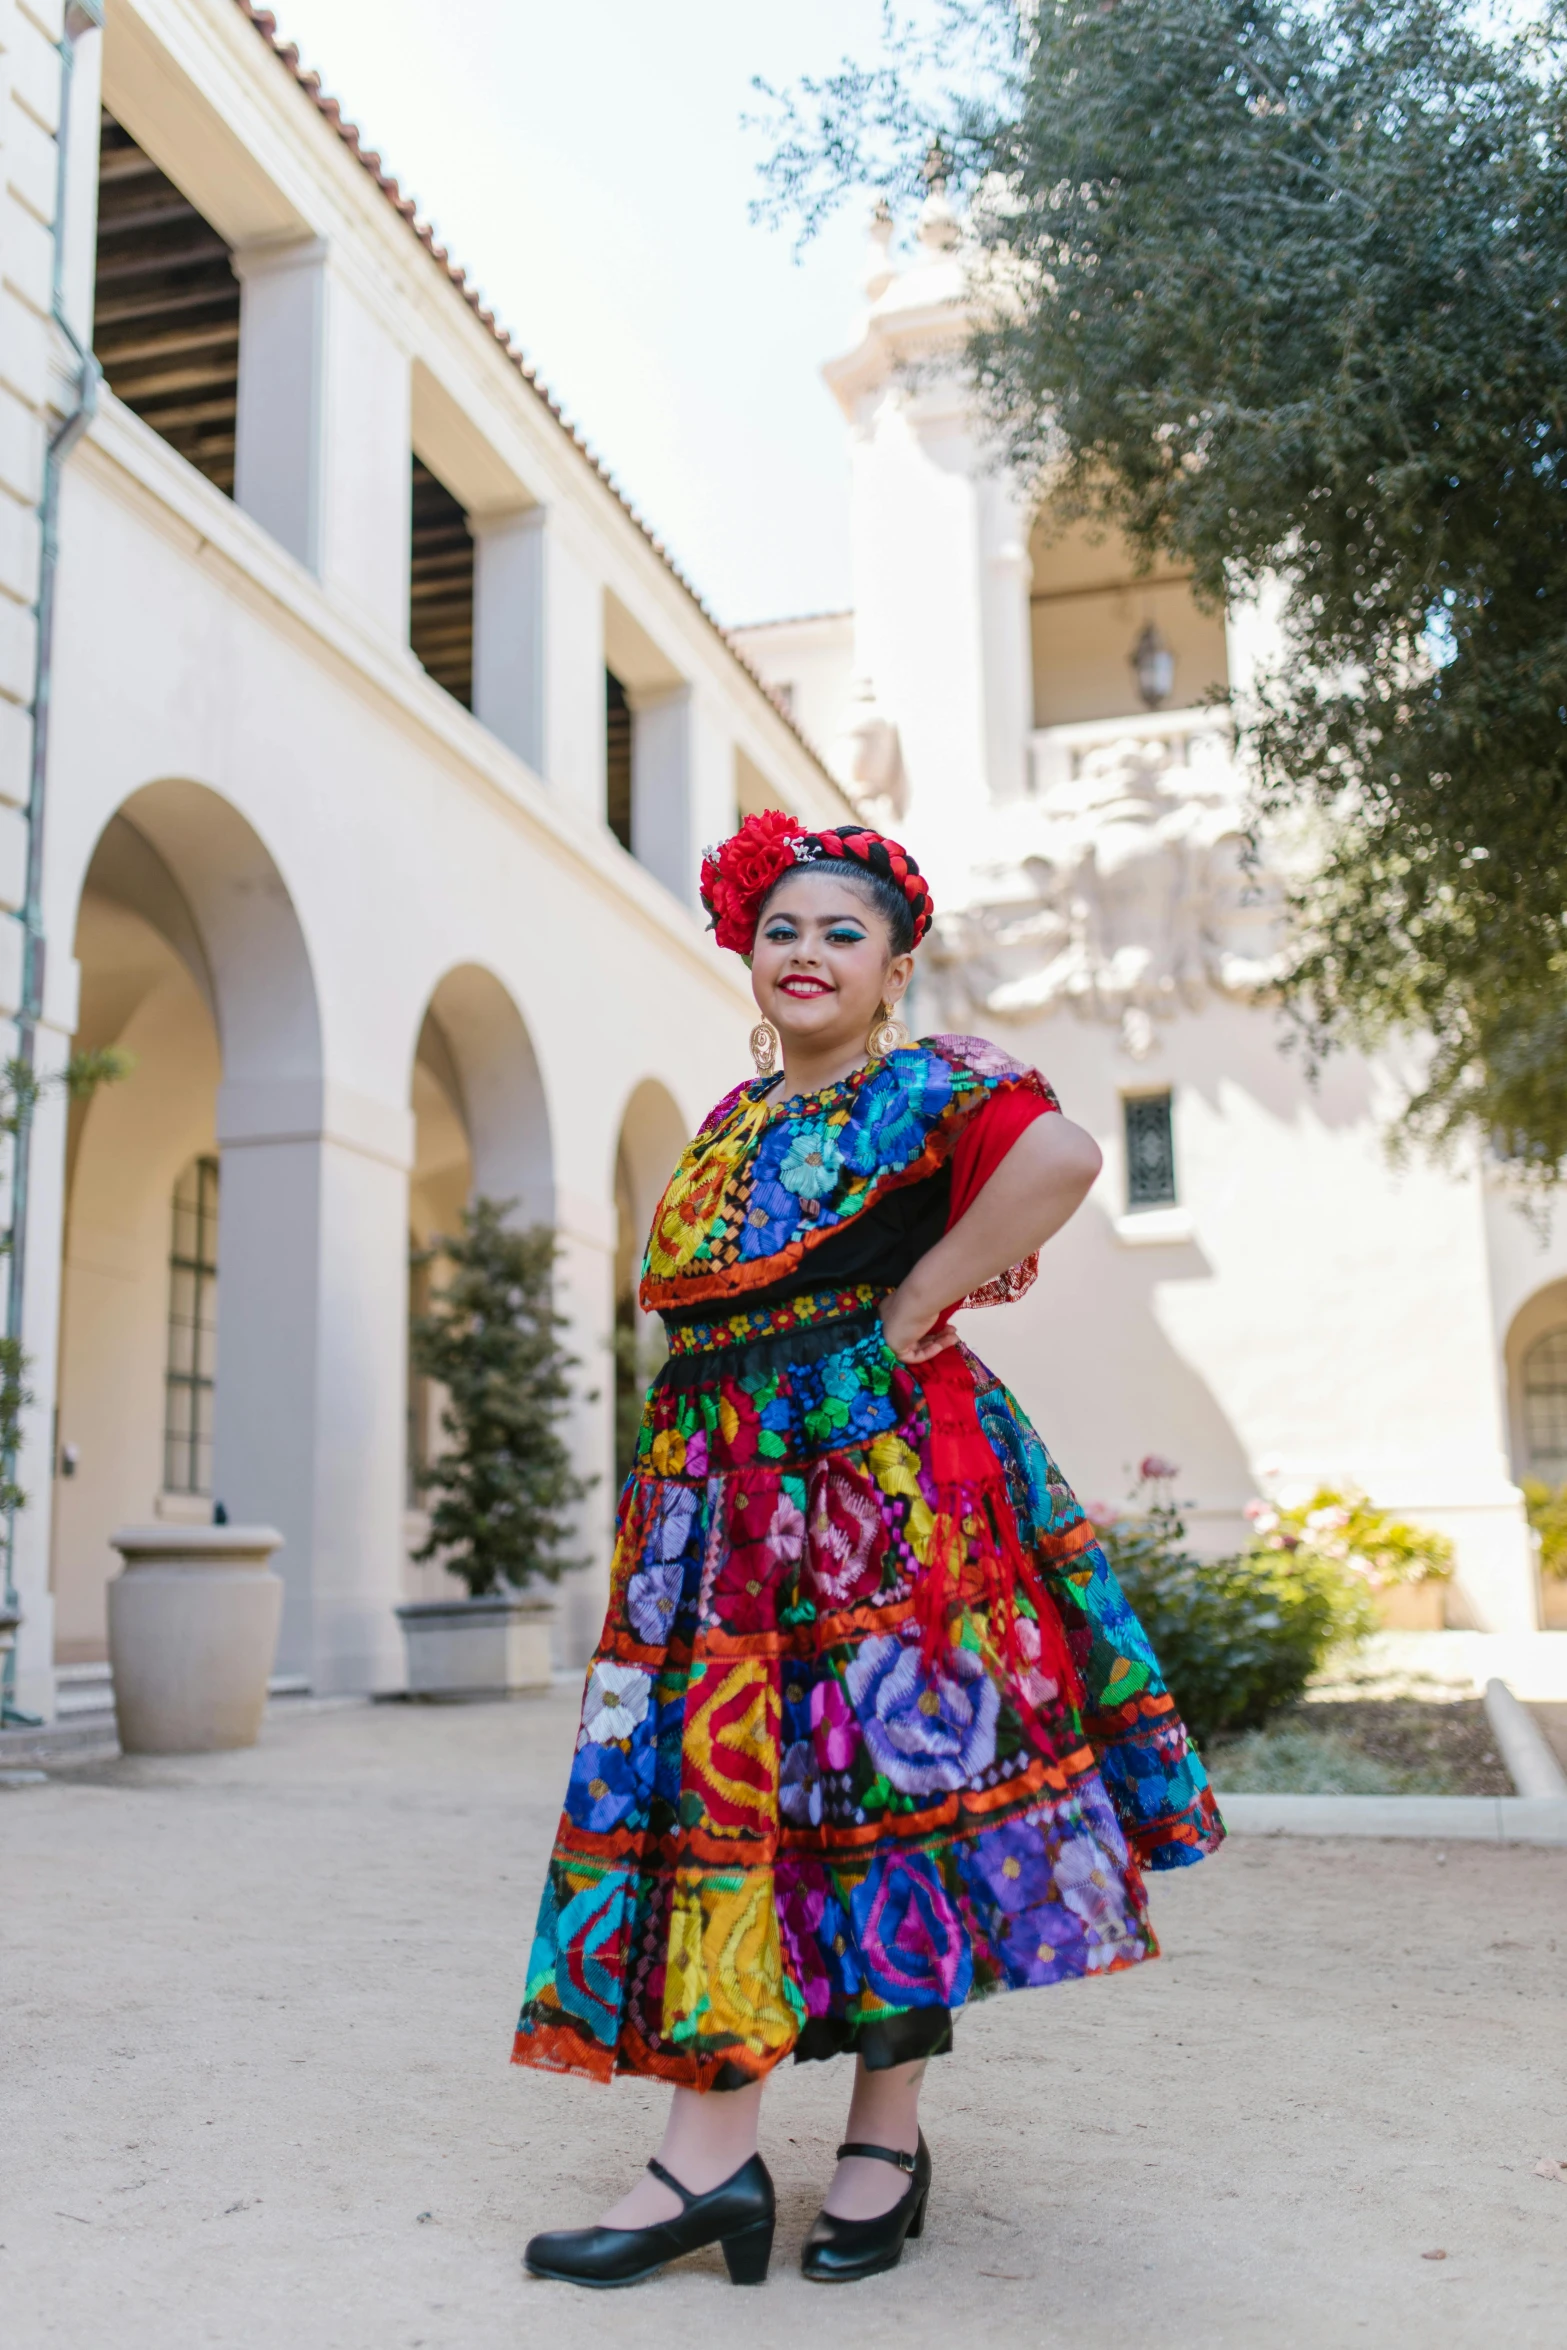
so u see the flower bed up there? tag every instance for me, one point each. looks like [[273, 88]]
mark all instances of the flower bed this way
[[1366, 1746]]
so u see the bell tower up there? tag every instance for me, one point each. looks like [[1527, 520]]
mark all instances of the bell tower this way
[[939, 540]]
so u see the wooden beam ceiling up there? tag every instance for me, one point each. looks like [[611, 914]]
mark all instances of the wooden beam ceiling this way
[[440, 621], [166, 313]]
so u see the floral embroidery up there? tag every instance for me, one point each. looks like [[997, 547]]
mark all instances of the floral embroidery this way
[[811, 1162], [925, 1729], [780, 1815], [616, 1701], [753, 1194]]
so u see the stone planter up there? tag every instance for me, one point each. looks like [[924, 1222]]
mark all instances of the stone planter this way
[[497, 1646], [1413, 1607], [193, 1626]]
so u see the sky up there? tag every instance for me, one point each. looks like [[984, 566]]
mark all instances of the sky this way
[[587, 165]]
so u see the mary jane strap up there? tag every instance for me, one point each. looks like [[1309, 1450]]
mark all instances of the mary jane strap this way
[[903, 2162], [667, 2178]]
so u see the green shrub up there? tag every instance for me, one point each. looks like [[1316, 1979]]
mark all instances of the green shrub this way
[[1237, 1638], [1344, 1528], [504, 1485], [1547, 1507]]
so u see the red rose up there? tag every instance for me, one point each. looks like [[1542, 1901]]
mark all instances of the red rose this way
[[737, 876]]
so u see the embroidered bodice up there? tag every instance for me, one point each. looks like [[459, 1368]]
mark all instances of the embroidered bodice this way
[[848, 1185]]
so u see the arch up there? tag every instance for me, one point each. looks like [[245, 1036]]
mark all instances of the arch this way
[[475, 1051], [1536, 1355], [193, 961], [189, 862], [651, 1138], [481, 1128]]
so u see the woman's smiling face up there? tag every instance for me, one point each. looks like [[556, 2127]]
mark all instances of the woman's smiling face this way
[[822, 963]]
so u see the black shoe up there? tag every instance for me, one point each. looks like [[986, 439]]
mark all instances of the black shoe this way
[[738, 2215], [839, 2250]]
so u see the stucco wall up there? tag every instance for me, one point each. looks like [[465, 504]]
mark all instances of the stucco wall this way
[[1327, 1318]]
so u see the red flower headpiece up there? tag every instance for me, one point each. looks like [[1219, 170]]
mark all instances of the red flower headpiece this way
[[737, 875]]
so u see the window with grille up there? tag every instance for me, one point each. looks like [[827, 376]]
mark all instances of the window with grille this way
[[1150, 1151], [1545, 1407], [193, 1332]]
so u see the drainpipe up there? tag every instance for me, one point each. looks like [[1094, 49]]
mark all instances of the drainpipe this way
[[81, 16]]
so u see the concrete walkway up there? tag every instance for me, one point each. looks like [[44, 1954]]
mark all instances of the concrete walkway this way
[[258, 2007]]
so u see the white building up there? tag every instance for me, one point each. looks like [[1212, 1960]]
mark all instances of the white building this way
[[384, 741], [1254, 1290]]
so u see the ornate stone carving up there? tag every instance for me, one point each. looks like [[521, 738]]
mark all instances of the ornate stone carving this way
[[1122, 892], [867, 758]]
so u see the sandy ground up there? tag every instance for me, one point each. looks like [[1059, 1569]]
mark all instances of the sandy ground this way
[[258, 2007]]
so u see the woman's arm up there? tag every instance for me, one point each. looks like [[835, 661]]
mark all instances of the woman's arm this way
[[1042, 1181]]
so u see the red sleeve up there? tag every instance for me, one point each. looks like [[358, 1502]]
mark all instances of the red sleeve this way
[[985, 1142]]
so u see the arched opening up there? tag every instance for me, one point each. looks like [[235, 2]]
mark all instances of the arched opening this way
[[1110, 641], [481, 1128], [192, 963], [1537, 1385], [652, 1137]]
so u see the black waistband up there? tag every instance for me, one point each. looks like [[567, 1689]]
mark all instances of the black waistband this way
[[808, 1344]]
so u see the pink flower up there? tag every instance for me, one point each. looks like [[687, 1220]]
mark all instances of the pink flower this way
[[1155, 1468], [836, 1730], [1036, 1686]]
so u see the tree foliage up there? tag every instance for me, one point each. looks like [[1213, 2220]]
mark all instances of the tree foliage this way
[[504, 1483], [1277, 290]]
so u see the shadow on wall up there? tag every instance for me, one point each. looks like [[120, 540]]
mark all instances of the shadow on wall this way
[[1091, 1363]]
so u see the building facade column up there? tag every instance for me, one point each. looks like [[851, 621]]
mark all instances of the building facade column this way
[[324, 452], [573, 720], [312, 1354], [1005, 578], [661, 760], [509, 601], [585, 1294]]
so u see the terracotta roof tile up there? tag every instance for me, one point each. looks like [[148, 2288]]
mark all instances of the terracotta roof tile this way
[[287, 52]]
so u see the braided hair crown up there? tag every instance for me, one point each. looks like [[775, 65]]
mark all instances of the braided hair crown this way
[[739, 875]]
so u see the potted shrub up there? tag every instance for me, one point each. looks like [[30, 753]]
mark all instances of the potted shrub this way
[[503, 1484]]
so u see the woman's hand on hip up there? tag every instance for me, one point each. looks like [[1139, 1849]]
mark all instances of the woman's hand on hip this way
[[909, 1328]]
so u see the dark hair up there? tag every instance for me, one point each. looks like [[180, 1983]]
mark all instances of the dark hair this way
[[885, 896]]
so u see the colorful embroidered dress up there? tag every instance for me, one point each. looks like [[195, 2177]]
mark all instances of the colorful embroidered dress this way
[[871, 1730]]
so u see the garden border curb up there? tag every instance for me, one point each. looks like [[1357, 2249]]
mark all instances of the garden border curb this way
[[1468, 1819]]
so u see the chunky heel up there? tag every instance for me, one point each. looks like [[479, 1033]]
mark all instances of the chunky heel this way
[[746, 2255], [738, 2215], [837, 2251]]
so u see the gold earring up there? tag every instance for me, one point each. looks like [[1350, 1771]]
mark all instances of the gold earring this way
[[765, 1041], [888, 1034]]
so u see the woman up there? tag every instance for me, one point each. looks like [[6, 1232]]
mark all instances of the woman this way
[[871, 1730]]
